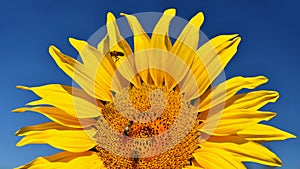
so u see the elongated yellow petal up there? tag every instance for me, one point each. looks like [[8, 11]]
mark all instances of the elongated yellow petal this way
[[186, 46], [141, 43], [261, 132], [227, 89], [244, 150], [108, 75], [252, 100], [71, 100], [65, 156], [128, 71], [230, 122], [215, 158], [72, 141], [63, 160], [90, 55], [80, 74], [256, 116], [103, 45], [160, 38], [116, 41], [212, 58], [187, 42], [40, 127], [141, 38], [40, 162], [161, 42], [95, 62], [84, 162], [170, 68], [59, 116], [119, 44]]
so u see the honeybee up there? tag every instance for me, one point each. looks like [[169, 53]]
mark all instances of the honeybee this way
[[135, 158], [126, 133], [116, 55], [127, 128]]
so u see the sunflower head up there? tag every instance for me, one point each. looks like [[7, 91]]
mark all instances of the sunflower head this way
[[153, 104]]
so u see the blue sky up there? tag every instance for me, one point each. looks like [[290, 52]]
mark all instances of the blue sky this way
[[269, 31]]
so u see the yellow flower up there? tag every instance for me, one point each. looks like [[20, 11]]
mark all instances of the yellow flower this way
[[156, 107]]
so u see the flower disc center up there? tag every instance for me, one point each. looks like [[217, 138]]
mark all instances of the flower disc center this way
[[160, 128]]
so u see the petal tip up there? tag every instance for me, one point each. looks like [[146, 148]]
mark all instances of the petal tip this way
[[110, 18], [17, 132], [170, 11], [22, 87], [20, 144], [197, 20], [123, 14], [235, 35], [261, 79], [264, 78], [72, 40], [77, 44], [18, 110], [237, 39], [52, 49], [292, 135], [276, 94]]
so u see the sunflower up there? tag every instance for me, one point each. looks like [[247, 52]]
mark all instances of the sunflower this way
[[156, 107]]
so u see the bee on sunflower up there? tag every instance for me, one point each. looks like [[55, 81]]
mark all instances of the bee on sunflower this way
[[153, 106]]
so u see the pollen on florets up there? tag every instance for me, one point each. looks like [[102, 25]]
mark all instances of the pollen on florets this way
[[147, 127]]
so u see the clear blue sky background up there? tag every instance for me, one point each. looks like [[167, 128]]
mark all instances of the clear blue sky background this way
[[270, 47]]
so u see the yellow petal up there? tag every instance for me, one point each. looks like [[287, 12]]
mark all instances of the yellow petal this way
[[64, 160], [215, 158], [80, 74], [188, 39], [90, 55], [227, 89], [116, 41], [186, 45], [170, 68], [252, 100], [211, 59], [261, 132], [69, 140], [65, 156], [247, 151], [232, 121], [160, 38], [119, 44], [161, 42], [187, 42], [71, 100], [40, 127], [95, 62], [103, 45], [87, 162], [108, 75], [128, 71], [40, 162], [141, 43], [141, 39], [59, 116]]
